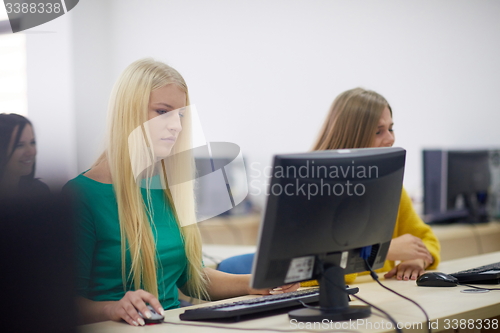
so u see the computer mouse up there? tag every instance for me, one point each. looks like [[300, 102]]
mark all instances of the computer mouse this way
[[436, 279], [156, 318]]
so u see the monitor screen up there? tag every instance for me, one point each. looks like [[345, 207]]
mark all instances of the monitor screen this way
[[456, 185], [328, 211], [221, 183]]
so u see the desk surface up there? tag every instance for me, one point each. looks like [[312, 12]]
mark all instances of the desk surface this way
[[444, 305]]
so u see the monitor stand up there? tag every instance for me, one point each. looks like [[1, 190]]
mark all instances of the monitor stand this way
[[333, 301]]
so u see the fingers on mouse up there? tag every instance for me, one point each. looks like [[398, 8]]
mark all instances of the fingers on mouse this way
[[155, 318]]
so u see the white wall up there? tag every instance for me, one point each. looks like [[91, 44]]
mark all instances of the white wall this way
[[92, 58], [264, 73], [50, 91], [69, 80]]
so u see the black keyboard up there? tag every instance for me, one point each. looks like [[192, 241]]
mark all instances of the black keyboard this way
[[487, 274], [260, 305]]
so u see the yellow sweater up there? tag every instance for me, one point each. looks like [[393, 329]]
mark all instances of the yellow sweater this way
[[407, 222]]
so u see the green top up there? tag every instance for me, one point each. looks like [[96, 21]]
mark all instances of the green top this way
[[98, 253]]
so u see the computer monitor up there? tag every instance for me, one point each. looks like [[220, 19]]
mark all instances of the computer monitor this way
[[221, 187], [456, 185], [221, 182], [328, 211]]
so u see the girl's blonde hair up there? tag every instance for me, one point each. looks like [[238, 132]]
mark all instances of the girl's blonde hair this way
[[352, 120], [128, 110]]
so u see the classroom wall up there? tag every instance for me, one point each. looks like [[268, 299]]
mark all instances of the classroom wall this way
[[93, 77], [51, 102], [264, 73]]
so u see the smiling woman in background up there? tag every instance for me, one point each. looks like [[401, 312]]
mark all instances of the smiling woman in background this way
[[17, 158], [360, 118]]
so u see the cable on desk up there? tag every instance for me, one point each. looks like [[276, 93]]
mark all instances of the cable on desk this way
[[366, 302], [475, 287], [375, 277], [388, 316], [310, 306], [252, 329]]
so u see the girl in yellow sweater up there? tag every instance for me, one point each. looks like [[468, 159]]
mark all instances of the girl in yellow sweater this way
[[360, 118]]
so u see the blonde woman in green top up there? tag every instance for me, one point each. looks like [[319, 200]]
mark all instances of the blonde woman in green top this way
[[135, 246]]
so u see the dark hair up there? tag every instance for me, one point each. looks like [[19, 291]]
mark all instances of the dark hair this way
[[8, 123]]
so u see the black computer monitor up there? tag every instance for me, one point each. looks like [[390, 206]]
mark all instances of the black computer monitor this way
[[456, 185], [327, 212]]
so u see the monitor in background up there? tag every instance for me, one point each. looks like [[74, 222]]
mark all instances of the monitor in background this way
[[327, 212], [456, 185], [36, 256], [221, 182]]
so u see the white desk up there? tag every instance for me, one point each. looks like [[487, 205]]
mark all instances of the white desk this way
[[442, 304]]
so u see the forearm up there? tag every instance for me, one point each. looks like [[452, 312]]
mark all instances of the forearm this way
[[409, 222], [223, 285], [432, 244], [91, 311]]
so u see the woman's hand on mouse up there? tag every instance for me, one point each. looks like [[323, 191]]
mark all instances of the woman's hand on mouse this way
[[407, 270], [408, 247], [127, 308]]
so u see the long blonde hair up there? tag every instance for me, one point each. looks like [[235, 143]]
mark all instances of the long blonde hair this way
[[352, 120], [128, 109]]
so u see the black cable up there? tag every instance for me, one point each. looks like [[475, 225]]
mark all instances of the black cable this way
[[391, 319], [375, 277], [309, 306], [480, 288], [247, 328]]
